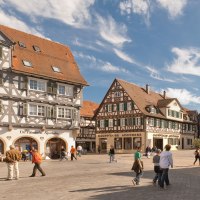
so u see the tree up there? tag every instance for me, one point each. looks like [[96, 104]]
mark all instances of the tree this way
[[196, 143]]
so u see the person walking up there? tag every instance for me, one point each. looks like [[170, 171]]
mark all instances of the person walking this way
[[37, 160], [197, 156], [73, 152], [63, 154], [148, 151], [158, 172], [13, 156], [137, 167], [112, 154], [99, 149], [166, 161], [79, 150]]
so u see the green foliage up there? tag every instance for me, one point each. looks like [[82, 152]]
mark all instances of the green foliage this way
[[196, 143]]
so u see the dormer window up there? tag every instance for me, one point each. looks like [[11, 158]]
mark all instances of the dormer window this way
[[21, 44], [152, 110], [27, 63], [56, 69], [36, 48]]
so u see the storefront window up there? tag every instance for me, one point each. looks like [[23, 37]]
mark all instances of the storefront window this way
[[118, 143], [127, 143], [170, 141], [137, 142]]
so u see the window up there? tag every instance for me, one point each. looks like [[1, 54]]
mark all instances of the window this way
[[121, 107], [151, 122], [37, 85], [21, 44], [27, 63], [118, 143], [122, 121], [137, 141], [128, 143], [129, 106], [110, 122], [109, 107], [64, 113], [56, 69], [1, 52], [117, 94], [66, 90], [36, 110], [170, 141], [36, 48], [138, 121], [152, 110], [101, 123], [189, 141]]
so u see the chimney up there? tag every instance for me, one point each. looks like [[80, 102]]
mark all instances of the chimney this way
[[164, 94], [147, 89]]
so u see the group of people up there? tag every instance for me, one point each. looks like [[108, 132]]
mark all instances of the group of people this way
[[12, 158], [162, 161]]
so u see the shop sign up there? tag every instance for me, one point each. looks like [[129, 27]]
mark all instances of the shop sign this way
[[166, 136], [120, 135], [27, 131]]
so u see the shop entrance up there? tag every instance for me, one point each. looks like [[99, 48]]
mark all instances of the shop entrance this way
[[1, 147], [103, 145], [158, 143], [26, 144], [53, 147]]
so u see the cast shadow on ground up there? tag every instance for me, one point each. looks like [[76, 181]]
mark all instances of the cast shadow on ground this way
[[184, 186]]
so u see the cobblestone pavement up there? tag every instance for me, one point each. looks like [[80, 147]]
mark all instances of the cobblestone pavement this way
[[91, 177]]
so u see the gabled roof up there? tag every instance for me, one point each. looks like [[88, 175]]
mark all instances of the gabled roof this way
[[141, 98], [165, 102], [88, 109], [52, 54]]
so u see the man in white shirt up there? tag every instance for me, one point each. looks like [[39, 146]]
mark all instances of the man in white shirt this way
[[166, 161]]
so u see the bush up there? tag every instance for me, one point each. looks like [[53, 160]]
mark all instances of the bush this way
[[196, 143]]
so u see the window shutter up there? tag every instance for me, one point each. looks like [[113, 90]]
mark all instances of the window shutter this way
[[54, 112], [25, 109], [48, 112], [1, 52], [1, 107], [112, 107], [24, 84], [132, 105], [154, 122], [49, 87], [1, 78], [55, 86], [118, 122], [106, 123], [118, 107], [125, 106], [126, 122], [142, 121], [133, 121]]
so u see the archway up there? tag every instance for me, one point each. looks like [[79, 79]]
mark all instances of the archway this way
[[25, 144], [53, 147], [1, 147]]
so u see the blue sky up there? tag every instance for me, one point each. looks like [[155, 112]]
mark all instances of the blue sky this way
[[153, 42]]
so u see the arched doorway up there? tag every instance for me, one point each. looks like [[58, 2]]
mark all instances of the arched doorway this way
[[25, 143], [1, 147], [53, 147]]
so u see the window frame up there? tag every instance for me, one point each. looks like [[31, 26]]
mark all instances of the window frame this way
[[37, 110], [67, 89], [38, 82]]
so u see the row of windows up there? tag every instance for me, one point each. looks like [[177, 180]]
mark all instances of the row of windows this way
[[127, 143], [173, 113], [170, 124], [39, 85], [126, 106], [35, 47], [120, 122], [49, 111]]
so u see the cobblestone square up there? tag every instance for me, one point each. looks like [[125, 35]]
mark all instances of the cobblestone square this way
[[92, 177]]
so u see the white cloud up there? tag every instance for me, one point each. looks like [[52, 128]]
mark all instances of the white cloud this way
[[184, 96], [186, 62], [124, 56], [156, 75], [112, 32], [174, 7], [74, 13], [97, 64], [141, 7], [6, 19]]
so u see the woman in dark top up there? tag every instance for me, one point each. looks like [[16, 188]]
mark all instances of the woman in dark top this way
[[197, 156], [112, 154]]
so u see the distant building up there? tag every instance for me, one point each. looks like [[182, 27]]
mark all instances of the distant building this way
[[130, 116], [40, 93], [87, 137]]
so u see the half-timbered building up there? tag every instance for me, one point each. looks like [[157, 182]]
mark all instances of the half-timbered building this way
[[87, 135], [131, 116], [40, 93]]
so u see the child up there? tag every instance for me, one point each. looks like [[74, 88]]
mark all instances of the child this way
[[156, 160]]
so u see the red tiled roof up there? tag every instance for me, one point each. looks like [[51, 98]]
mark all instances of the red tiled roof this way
[[88, 109], [52, 54]]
